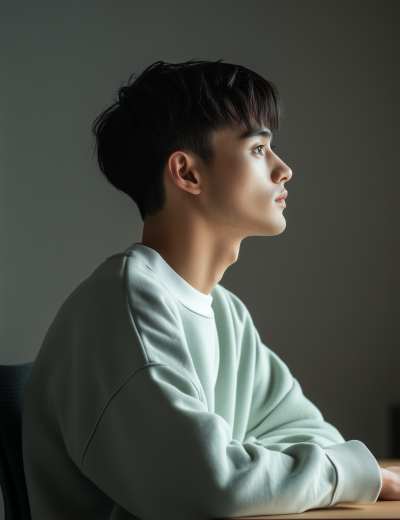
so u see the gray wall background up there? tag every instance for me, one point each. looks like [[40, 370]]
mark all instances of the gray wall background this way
[[324, 294]]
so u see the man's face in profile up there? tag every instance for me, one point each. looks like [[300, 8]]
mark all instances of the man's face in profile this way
[[245, 182]]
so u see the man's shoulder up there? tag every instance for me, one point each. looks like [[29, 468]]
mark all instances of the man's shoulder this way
[[121, 273], [111, 296]]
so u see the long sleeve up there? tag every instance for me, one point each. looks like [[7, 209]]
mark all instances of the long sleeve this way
[[173, 459], [283, 419]]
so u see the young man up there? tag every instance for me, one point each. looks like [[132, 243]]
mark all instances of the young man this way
[[152, 395]]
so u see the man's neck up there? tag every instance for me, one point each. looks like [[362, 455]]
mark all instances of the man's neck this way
[[195, 250]]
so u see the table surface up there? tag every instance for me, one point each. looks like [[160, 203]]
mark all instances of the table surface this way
[[381, 509]]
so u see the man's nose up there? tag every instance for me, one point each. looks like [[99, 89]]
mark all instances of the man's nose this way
[[282, 172]]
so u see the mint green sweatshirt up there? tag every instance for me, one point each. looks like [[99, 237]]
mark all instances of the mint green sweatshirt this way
[[151, 400]]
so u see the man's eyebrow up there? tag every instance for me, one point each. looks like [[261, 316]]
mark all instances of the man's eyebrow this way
[[257, 131]]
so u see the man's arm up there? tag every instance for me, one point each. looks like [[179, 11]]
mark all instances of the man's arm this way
[[159, 453], [280, 418], [291, 418]]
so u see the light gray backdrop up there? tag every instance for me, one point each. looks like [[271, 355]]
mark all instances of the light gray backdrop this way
[[324, 294]]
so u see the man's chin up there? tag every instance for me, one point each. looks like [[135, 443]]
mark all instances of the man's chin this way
[[277, 227], [272, 230]]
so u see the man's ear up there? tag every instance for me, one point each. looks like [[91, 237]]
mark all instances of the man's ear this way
[[181, 168]]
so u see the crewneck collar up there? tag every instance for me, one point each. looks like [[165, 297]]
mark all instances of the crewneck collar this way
[[186, 293]]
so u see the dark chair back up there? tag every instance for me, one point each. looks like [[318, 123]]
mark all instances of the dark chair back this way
[[12, 477]]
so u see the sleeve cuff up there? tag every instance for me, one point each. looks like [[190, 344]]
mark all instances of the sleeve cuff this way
[[358, 475]]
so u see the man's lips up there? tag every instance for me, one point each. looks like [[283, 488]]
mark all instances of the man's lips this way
[[281, 198]]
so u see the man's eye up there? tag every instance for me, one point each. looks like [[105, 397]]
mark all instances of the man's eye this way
[[259, 146]]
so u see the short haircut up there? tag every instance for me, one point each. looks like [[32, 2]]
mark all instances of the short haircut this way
[[173, 107]]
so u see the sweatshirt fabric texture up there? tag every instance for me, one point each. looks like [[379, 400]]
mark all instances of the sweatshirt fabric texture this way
[[149, 399]]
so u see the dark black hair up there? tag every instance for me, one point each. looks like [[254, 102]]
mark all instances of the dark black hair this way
[[171, 107]]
